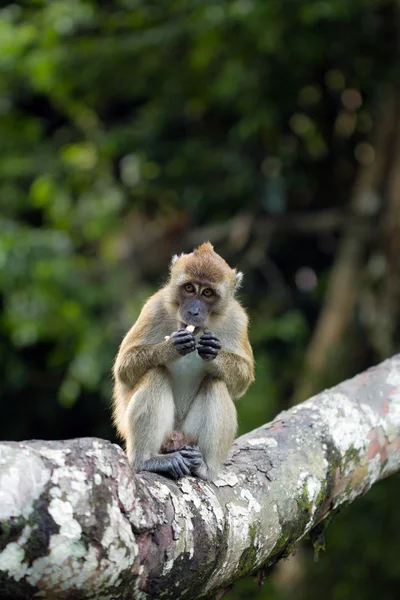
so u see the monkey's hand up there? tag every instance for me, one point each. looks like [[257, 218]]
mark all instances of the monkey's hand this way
[[209, 346], [183, 341]]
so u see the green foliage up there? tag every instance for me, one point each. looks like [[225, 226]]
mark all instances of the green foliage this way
[[125, 125]]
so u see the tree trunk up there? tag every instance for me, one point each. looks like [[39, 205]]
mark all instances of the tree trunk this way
[[76, 523]]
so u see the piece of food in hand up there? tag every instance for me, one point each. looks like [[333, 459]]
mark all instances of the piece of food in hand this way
[[189, 328]]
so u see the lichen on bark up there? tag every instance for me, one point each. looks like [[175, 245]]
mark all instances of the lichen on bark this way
[[76, 522]]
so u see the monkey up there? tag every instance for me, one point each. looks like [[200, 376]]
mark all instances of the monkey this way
[[174, 393]]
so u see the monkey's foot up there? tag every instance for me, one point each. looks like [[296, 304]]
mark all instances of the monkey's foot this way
[[192, 456], [177, 464]]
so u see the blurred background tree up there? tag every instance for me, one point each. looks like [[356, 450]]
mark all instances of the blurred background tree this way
[[131, 130]]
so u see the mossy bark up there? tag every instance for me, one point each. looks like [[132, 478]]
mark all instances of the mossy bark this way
[[76, 522]]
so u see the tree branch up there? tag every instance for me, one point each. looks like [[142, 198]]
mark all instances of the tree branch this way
[[76, 523]]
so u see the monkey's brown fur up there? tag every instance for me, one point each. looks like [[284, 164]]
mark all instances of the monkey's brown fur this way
[[158, 392]]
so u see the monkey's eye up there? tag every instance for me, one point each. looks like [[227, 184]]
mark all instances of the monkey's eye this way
[[189, 288], [208, 293]]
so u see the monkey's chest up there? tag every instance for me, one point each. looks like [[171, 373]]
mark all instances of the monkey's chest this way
[[186, 374]]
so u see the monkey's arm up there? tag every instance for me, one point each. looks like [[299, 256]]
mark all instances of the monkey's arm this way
[[230, 358], [236, 371], [134, 361], [144, 346]]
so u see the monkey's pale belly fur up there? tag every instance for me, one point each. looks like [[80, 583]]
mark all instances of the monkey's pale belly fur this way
[[186, 374]]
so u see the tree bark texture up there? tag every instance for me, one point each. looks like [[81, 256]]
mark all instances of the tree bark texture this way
[[76, 523]]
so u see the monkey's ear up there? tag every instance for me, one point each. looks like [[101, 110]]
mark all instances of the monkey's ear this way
[[238, 281], [173, 260]]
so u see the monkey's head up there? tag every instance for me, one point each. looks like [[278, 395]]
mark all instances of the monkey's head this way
[[201, 284]]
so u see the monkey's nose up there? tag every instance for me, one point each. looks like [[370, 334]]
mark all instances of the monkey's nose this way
[[194, 313]]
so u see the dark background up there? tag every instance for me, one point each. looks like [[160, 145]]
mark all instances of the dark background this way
[[132, 130]]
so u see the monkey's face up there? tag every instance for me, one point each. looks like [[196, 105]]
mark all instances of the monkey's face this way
[[201, 284], [197, 300]]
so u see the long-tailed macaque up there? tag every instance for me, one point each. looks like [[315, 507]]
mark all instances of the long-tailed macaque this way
[[174, 392]]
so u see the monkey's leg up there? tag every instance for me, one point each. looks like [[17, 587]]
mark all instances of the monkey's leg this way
[[149, 421], [212, 422]]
